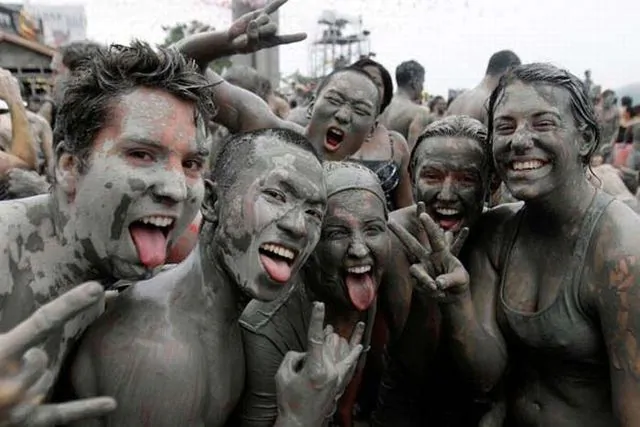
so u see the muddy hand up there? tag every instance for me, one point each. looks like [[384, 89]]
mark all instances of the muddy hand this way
[[24, 380], [309, 384], [26, 183], [256, 30], [435, 259]]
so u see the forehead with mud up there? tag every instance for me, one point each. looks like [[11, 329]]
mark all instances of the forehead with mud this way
[[241, 152], [344, 176]]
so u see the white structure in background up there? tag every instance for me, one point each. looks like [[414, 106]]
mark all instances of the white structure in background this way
[[341, 40], [61, 24]]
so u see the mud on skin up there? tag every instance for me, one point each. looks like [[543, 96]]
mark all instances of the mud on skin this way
[[188, 316]]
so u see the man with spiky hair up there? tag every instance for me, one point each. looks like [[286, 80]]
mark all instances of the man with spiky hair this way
[[127, 183]]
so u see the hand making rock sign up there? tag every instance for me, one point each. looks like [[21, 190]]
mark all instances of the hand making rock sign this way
[[436, 258], [310, 384], [24, 384], [256, 30]]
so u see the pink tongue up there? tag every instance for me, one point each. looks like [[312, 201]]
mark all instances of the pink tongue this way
[[151, 245], [277, 269], [361, 290], [448, 224]]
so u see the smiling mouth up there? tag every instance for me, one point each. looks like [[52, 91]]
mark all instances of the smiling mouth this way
[[360, 286], [527, 165], [277, 261], [149, 235], [334, 138], [449, 219]]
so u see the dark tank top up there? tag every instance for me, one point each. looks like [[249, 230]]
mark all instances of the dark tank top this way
[[388, 173], [561, 343]]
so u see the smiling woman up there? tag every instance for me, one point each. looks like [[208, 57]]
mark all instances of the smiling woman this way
[[556, 279]]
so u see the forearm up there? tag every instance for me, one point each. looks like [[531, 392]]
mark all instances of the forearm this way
[[290, 421], [21, 138], [9, 161], [481, 356], [205, 47], [241, 111]]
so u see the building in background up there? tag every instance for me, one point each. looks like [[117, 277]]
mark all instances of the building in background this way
[[61, 24], [22, 48], [266, 61], [341, 41]]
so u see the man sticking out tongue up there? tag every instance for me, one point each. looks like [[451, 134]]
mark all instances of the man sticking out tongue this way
[[344, 271]]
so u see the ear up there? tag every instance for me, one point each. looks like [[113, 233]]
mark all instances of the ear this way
[[588, 141], [209, 206], [372, 131], [494, 183], [310, 108], [66, 171]]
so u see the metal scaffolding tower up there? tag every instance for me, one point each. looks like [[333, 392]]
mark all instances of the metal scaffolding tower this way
[[341, 41]]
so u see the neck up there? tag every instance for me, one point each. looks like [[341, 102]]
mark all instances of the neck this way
[[73, 263], [406, 93], [561, 210], [217, 279]]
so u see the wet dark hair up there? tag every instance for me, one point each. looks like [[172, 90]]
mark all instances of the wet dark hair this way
[[93, 89], [454, 127], [626, 101], [387, 82], [409, 73], [542, 73], [74, 54], [501, 61], [237, 153], [349, 69], [248, 78]]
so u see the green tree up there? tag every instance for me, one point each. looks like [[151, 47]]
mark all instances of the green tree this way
[[177, 32]]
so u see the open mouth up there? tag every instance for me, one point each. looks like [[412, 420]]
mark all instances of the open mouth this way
[[360, 286], [277, 261], [333, 138], [527, 165], [149, 235], [449, 219]]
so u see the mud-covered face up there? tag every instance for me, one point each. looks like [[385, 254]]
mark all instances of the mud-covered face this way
[[451, 178], [143, 185], [350, 258], [270, 218], [536, 143], [343, 115]]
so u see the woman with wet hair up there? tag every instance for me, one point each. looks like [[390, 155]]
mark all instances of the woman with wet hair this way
[[386, 152], [344, 271], [552, 306]]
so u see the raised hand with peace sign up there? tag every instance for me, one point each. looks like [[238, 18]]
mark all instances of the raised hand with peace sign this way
[[24, 384], [256, 30], [436, 258], [309, 384]]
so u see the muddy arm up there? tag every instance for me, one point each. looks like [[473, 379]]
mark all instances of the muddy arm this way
[[618, 305], [241, 111], [477, 343]]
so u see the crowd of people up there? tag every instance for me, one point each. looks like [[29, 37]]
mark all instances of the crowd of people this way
[[181, 248]]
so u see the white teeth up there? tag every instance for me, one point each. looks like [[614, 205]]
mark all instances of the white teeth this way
[[447, 212], [336, 131], [528, 165], [158, 221], [279, 250], [359, 270]]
